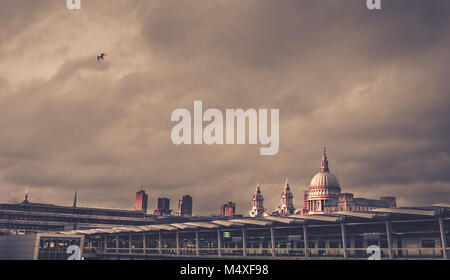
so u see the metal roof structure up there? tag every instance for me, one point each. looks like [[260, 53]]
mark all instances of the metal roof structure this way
[[282, 220], [442, 205], [182, 225], [265, 221], [404, 211], [226, 223], [322, 218], [202, 224], [252, 222], [363, 215]]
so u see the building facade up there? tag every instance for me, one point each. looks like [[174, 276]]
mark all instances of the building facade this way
[[28, 217], [162, 207], [141, 201], [228, 209], [286, 206], [185, 206], [324, 195]]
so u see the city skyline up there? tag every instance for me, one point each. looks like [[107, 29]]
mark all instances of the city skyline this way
[[371, 86]]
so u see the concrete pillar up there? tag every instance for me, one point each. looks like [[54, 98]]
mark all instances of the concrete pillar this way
[[305, 240], [344, 240], [177, 239], [197, 243], [443, 238], [244, 242], [129, 243], [389, 239], [219, 243], [117, 243], [272, 240], [105, 244], [159, 243], [144, 245]]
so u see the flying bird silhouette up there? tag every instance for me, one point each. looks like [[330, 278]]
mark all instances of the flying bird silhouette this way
[[102, 56]]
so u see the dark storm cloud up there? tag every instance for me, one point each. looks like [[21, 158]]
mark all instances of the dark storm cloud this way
[[370, 85]]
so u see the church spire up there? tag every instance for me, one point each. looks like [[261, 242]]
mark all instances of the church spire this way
[[324, 163], [27, 191], [75, 200], [286, 185]]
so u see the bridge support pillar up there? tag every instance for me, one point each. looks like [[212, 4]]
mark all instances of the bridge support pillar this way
[[305, 240], [344, 241], [159, 243], [244, 242], [117, 243], [129, 243], [219, 243], [272, 240], [443, 238], [197, 243], [177, 239], [389, 238], [144, 245]]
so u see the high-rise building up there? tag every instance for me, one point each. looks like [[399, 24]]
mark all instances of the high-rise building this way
[[185, 206], [163, 207], [257, 203], [228, 209], [140, 202], [286, 206]]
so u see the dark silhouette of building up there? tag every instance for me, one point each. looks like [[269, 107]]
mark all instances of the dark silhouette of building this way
[[141, 201], [162, 207], [28, 217], [185, 206], [228, 209]]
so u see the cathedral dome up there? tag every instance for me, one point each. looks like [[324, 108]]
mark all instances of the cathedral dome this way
[[324, 179]]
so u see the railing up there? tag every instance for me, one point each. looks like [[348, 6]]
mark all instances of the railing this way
[[352, 253]]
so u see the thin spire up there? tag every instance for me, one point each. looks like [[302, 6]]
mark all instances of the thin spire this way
[[324, 163], [258, 190], [75, 200], [286, 185]]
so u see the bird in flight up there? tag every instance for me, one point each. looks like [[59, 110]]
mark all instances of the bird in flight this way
[[102, 56]]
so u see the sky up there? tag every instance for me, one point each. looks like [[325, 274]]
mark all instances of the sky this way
[[369, 85]]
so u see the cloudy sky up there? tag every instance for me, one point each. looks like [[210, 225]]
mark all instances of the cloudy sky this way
[[371, 86]]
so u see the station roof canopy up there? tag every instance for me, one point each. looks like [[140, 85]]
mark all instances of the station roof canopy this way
[[252, 222], [404, 211], [182, 225], [282, 220], [363, 215], [201, 224], [226, 223], [126, 229], [442, 205], [147, 228], [321, 218], [163, 227]]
